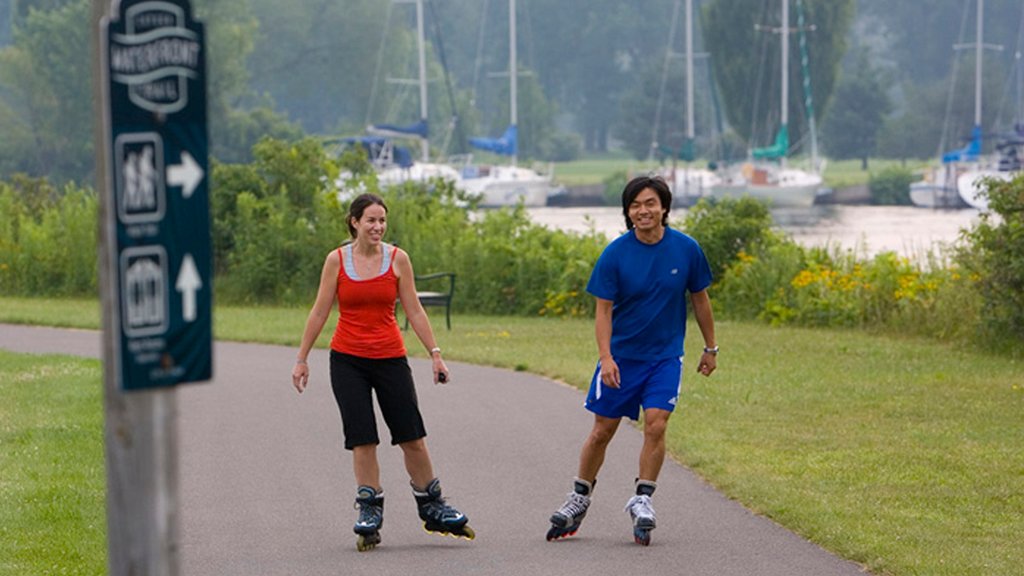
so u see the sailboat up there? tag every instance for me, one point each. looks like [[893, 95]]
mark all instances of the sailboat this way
[[505, 185], [394, 164], [766, 176], [955, 182], [1007, 162], [688, 184]]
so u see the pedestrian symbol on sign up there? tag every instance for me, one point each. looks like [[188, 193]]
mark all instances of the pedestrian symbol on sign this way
[[140, 168]]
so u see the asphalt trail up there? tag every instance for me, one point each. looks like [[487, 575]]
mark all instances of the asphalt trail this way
[[267, 489]]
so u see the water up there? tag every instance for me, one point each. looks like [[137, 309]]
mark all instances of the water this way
[[907, 230]]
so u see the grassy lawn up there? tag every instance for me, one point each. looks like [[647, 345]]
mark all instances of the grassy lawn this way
[[593, 169], [52, 483], [904, 455]]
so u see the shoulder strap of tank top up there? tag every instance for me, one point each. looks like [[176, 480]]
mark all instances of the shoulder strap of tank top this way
[[349, 262], [387, 253]]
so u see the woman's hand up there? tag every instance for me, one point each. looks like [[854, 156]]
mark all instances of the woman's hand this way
[[300, 375], [441, 374]]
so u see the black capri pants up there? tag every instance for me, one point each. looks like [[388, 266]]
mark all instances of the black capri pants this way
[[355, 379]]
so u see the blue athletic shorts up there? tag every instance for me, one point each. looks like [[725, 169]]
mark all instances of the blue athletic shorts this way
[[642, 384]]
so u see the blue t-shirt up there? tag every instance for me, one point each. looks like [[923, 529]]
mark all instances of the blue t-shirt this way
[[647, 284]]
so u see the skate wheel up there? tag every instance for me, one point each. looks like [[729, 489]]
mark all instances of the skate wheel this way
[[367, 542], [557, 532], [642, 537], [468, 533]]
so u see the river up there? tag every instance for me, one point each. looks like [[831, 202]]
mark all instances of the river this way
[[907, 230]]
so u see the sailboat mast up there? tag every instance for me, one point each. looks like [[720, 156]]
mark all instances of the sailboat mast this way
[[690, 131], [978, 47], [785, 71], [513, 72], [424, 141]]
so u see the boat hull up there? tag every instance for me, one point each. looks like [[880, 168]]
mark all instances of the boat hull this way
[[788, 188], [971, 186]]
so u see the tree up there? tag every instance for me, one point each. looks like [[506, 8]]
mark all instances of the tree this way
[[857, 112], [746, 62], [45, 95]]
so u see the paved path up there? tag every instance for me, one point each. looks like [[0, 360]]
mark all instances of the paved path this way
[[266, 488]]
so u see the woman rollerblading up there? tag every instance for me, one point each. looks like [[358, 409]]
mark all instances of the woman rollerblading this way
[[370, 504], [368, 359], [438, 517]]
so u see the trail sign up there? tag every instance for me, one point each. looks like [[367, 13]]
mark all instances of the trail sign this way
[[154, 62]]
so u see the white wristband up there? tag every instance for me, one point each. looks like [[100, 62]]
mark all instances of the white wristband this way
[[435, 350]]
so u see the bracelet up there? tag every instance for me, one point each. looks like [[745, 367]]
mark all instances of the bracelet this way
[[434, 350], [300, 361], [713, 351]]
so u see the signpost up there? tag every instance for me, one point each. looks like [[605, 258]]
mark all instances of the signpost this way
[[156, 85], [155, 260]]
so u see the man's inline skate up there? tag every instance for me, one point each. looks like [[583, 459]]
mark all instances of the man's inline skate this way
[[566, 520], [642, 513], [438, 517], [370, 504]]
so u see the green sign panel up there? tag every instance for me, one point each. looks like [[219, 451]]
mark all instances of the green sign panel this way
[[158, 215]]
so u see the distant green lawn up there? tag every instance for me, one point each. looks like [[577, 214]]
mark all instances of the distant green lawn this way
[[593, 169], [904, 455]]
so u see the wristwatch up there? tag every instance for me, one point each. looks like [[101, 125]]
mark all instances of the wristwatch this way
[[713, 351]]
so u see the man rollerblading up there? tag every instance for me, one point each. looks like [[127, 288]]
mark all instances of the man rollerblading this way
[[438, 517], [370, 504], [640, 510], [566, 520], [644, 284]]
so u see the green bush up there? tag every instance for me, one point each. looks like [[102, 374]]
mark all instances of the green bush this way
[[614, 184], [727, 226], [891, 186], [47, 239], [753, 280], [993, 258]]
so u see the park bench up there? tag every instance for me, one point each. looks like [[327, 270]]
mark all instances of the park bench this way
[[439, 294]]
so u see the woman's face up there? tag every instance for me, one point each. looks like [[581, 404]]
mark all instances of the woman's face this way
[[372, 225]]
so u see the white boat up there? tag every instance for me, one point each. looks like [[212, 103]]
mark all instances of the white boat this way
[[959, 181], [1008, 164], [394, 164], [937, 188], [497, 185], [506, 185], [688, 184], [766, 176], [780, 186]]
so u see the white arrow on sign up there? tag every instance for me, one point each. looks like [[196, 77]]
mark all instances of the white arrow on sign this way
[[188, 283], [188, 174]]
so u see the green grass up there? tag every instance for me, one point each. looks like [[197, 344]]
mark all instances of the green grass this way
[[904, 455], [593, 169], [843, 173], [52, 486]]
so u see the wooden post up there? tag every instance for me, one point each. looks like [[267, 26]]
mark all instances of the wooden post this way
[[140, 427]]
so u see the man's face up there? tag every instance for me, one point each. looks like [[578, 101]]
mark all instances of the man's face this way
[[646, 210]]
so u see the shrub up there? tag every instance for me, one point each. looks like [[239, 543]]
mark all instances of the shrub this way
[[993, 256], [891, 186], [725, 227], [752, 280], [47, 239]]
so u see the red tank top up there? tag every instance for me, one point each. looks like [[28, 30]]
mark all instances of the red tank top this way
[[366, 314]]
